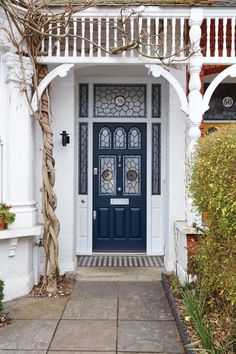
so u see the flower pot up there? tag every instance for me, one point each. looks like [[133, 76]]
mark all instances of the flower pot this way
[[2, 224]]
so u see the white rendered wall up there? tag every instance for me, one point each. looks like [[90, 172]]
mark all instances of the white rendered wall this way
[[2, 132], [182, 232], [175, 201], [17, 271], [63, 119], [18, 253]]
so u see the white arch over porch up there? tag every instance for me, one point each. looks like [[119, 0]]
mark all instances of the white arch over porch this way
[[61, 71], [158, 71], [231, 71]]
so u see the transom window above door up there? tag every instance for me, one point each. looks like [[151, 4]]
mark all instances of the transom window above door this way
[[120, 101], [123, 101]]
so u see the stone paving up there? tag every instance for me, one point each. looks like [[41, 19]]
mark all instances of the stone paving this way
[[99, 317]]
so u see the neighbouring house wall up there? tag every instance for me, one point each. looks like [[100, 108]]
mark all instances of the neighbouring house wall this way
[[224, 122], [176, 191], [62, 119]]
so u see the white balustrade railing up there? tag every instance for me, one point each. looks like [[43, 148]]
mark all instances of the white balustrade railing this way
[[90, 36], [218, 39]]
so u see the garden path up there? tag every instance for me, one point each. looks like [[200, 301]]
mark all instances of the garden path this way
[[109, 311]]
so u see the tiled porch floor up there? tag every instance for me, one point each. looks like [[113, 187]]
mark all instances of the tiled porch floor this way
[[99, 317]]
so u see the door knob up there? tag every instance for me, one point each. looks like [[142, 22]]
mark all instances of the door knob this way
[[119, 161], [119, 189]]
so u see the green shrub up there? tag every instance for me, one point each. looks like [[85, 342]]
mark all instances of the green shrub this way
[[1, 294], [213, 187]]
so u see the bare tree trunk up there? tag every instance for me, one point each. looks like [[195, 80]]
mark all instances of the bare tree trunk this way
[[49, 199]]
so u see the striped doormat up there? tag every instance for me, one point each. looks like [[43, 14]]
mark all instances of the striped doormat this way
[[120, 261]]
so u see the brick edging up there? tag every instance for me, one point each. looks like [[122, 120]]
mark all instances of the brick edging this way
[[179, 322]]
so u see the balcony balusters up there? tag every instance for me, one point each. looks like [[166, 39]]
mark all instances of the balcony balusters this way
[[158, 33]]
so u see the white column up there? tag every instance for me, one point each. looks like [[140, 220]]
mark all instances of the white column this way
[[4, 48], [195, 96], [19, 141]]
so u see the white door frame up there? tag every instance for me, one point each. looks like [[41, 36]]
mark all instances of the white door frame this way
[[155, 204]]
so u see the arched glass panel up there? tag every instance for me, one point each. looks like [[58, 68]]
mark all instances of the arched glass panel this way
[[105, 138], [119, 138], [134, 139]]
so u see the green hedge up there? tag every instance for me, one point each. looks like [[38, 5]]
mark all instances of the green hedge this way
[[1, 294], [213, 187]]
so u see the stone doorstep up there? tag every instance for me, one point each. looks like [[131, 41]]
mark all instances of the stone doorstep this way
[[117, 274]]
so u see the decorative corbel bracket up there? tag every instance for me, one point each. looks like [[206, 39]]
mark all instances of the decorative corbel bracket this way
[[13, 242], [230, 71], [158, 71], [61, 71]]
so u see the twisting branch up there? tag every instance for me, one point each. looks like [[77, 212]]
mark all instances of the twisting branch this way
[[49, 199]]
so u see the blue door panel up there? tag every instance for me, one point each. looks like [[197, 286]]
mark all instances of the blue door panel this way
[[119, 187], [119, 223], [104, 223], [135, 223]]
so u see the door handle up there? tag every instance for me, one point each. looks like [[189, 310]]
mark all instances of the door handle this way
[[119, 189], [119, 161], [94, 215]]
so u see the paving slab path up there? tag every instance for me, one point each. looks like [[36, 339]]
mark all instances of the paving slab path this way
[[104, 316]]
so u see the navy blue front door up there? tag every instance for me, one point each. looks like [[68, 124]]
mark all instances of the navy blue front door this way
[[119, 187]]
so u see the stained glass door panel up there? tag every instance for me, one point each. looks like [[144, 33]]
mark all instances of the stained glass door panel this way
[[119, 187]]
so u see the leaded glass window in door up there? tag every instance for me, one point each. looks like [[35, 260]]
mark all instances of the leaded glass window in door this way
[[105, 138], [134, 138], [119, 138], [132, 175], [107, 175]]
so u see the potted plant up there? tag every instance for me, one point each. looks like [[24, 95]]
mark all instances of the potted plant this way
[[6, 216]]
